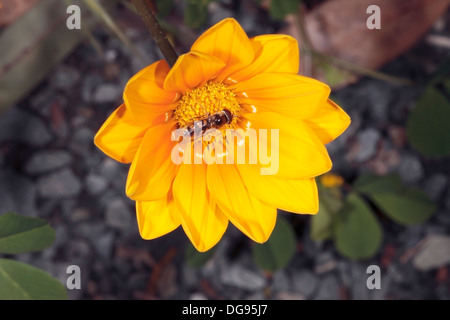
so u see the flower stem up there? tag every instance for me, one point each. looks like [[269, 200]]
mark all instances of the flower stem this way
[[155, 30]]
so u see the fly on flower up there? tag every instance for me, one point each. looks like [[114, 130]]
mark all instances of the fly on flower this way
[[244, 84]]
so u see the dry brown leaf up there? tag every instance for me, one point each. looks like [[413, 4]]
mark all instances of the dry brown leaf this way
[[339, 28], [11, 10]]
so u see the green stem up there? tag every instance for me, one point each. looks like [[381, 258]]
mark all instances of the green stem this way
[[155, 30], [362, 70]]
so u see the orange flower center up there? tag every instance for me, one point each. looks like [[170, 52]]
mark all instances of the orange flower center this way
[[205, 101]]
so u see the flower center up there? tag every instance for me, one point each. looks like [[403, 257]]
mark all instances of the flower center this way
[[206, 101]]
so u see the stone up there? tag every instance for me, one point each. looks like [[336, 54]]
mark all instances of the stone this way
[[60, 184], [65, 77], [95, 184], [433, 253], [115, 172], [238, 276], [104, 244], [118, 215], [281, 281], [107, 93], [90, 82], [82, 141], [17, 194], [410, 169], [435, 185], [367, 144], [289, 296], [358, 286], [328, 289], [305, 282], [380, 95], [44, 161], [21, 126]]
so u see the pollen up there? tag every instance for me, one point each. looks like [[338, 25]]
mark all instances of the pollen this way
[[204, 101]]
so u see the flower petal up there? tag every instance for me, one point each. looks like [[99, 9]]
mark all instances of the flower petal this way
[[292, 95], [152, 170], [245, 211], [144, 94], [330, 122], [120, 136], [273, 53], [299, 196], [300, 153], [227, 41], [203, 222], [156, 218], [191, 70]]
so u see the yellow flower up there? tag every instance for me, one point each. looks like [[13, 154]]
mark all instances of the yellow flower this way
[[256, 81], [331, 180]]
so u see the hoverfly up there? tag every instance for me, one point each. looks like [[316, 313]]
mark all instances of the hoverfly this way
[[215, 121]]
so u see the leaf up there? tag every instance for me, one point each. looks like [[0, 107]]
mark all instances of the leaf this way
[[278, 250], [321, 224], [357, 233], [369, 183], [281, 8], [164, 7], [10, 11], [338, 28], [44, 42], [20, 234], [330, 203], [427, 127], [195, 13], [19, 281], [407, 208], [196, 259]]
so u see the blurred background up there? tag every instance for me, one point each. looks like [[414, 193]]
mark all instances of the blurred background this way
[[386, 204]]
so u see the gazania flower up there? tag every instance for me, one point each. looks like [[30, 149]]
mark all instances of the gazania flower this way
[[250, 83]]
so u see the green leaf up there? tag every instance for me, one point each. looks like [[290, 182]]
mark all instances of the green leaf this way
[[164, 7], [19, 281], [321, 224], [278, 250], [20, 234], [195, 13], [407, 208], [280, 8], [369, 183], [446, 84], [330, 202], [427, 127], [357, 233], [196, 259]]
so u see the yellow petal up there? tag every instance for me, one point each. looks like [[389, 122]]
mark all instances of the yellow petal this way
[[292, 95], [298, 196], [329, 122], [120, 136], [300, 153], [152, 170], [156, 218], [273, 53], [191, 70], [144, 94], [246, 212], [203, 222], [227, 41]]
